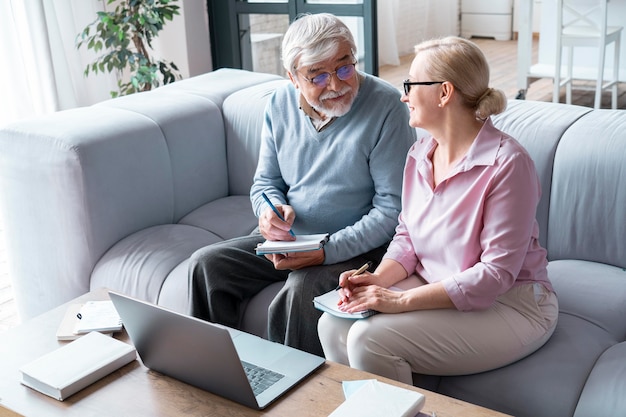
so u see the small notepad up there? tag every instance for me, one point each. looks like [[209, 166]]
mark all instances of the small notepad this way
[[329, 303], [303, 243], [100, 316]]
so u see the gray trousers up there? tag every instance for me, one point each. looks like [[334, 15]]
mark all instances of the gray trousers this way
[[224, 275]]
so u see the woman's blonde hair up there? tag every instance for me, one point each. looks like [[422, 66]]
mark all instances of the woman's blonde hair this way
[[462, 63]]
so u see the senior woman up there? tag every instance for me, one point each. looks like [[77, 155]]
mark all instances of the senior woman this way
[[474, 292]]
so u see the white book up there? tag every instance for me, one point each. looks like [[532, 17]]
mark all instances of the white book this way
[[374, 399], [78, 364]]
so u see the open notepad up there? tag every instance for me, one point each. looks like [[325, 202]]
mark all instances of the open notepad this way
[[303, 243], [329, 303], [80, 319]]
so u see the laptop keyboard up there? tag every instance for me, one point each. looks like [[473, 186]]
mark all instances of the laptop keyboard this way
[[260, 378]]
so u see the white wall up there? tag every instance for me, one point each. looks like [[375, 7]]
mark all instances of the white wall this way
[[185, 40], [583, 57]]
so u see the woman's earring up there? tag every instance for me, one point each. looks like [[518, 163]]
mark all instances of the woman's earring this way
[[439, 105]]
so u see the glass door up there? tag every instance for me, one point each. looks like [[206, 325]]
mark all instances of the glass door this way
[[247, 34]]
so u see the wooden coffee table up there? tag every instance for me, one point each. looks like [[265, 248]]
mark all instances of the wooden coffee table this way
[[137, 391]]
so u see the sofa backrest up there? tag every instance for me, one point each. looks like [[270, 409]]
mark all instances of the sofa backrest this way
[[243, 122], [538, 126], [191, 138], [588, 204], [219, 84], [580, 156]]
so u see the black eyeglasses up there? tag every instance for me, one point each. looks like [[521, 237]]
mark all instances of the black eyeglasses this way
[[408, 84], [343, 73]]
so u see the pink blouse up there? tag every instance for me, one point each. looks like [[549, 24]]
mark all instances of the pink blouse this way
[[476, 231]]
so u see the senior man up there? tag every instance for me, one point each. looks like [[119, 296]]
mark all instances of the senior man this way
[[333, 146]]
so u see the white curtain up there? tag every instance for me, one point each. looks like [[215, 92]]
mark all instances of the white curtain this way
[[404, 23], [387, 26], [41, 70]]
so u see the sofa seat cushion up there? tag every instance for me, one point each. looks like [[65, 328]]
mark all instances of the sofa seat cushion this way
[[544, 384], [139, 264], [593, 292], [591, 322], [226, 217], [255, 315]]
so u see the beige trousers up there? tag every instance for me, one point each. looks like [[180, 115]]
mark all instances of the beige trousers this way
[[443, 342]]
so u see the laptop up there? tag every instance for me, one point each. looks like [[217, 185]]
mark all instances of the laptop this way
[[210, 356]]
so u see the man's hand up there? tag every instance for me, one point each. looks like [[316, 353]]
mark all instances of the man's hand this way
[[272, 227], [296, 260]]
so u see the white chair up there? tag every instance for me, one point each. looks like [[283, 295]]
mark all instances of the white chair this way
[[583, 23]]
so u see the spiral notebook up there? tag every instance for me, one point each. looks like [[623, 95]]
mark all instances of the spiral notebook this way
[[303, 243]]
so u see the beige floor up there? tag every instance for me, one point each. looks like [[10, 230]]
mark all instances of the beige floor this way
[[502, 57]]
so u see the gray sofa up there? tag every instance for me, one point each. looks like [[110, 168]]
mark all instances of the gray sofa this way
[[121, 193]]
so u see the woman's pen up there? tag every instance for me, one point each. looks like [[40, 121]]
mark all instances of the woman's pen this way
[[267, 200], [359, 271]]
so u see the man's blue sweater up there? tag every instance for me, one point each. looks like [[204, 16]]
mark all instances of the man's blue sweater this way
[[345, 179]]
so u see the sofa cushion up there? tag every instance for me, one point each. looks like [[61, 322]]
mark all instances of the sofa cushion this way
[[226, 218], [605, 388], [243, 121], [589, 191], [539, 127], [544, 384], [139, 264], [591, 320], [193, 135], [593, 292]]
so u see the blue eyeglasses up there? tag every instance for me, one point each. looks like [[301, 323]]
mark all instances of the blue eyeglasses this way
[[343, 73], [408, 84]]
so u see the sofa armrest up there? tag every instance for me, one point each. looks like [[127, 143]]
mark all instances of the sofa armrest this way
[[73, 183]]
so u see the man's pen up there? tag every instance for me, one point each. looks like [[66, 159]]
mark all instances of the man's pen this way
[[267, 200], [359, 271]]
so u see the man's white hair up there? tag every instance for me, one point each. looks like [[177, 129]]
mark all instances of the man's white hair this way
[[313, 38]]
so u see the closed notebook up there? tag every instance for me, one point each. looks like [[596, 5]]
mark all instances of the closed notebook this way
[[76, 365], [374, 399]]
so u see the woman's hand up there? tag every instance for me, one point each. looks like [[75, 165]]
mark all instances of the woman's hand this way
[[372, 297], [370, 291]]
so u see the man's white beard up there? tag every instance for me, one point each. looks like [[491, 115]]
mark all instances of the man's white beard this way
[[338, 109]]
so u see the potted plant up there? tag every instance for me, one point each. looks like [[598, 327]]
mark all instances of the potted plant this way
[[125, 36]]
